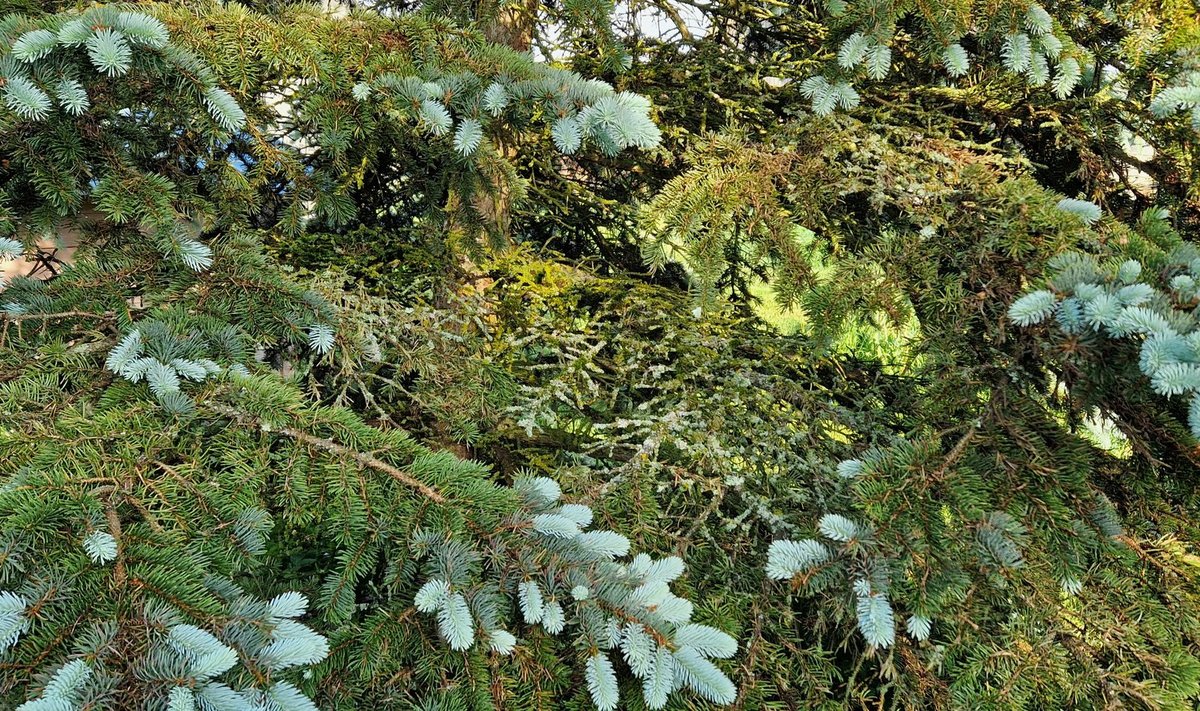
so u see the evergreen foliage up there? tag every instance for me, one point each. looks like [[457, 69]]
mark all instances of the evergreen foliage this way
[[310, 414], [1113, 302], [185, 331]]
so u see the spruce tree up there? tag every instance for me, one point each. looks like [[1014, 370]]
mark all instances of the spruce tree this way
[[350, 386], [161, 580]]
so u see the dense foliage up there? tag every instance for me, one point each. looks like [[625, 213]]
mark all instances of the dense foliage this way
[[682, 355]]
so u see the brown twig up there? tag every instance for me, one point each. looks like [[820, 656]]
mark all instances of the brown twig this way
[[365, 460], [328, 445], [107, 315], [114, 525]]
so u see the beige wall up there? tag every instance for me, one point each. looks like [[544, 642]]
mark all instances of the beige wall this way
[[66, 239]]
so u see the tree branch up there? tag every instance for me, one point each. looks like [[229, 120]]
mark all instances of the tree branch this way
[[328, 445], [365, 460]]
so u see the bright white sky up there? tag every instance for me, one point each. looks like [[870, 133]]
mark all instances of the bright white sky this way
[[654, 23], [650, 22]]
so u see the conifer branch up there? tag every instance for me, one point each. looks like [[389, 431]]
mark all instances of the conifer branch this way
[[114, 529], [955, 453], [328, 445], [17, 318], [365, 460]]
